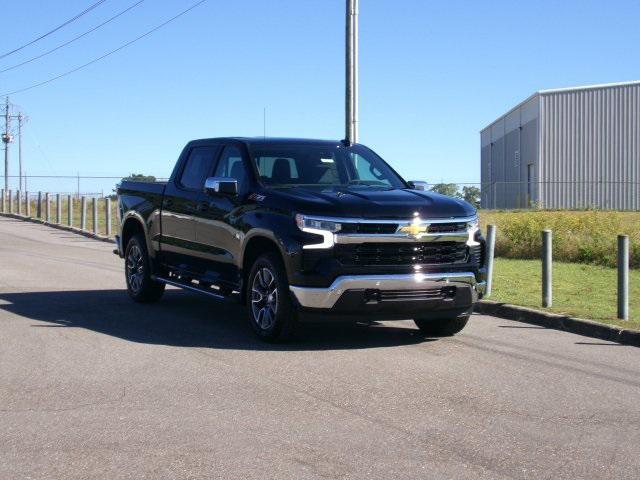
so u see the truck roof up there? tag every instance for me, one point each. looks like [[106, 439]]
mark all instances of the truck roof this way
[[273, 140]]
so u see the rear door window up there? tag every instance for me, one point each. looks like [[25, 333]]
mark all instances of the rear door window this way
[[197, 167]]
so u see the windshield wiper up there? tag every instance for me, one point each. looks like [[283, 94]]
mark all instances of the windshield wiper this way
[[368, 183]]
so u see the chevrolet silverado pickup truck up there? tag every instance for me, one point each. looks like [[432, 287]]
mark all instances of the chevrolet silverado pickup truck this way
[[299, 230]]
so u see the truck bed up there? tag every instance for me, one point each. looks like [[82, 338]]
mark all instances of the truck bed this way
[[144, 197]]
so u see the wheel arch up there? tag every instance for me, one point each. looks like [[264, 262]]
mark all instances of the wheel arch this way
[[133, 224], [258, 244]]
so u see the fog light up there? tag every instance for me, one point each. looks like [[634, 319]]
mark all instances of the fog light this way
[[371, 295], [449, 292]]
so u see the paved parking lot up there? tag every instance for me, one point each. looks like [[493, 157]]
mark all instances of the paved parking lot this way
[[94, 386]]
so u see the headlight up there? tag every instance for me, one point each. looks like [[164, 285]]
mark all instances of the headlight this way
[[309, 223], [318, 226], [473, 227]]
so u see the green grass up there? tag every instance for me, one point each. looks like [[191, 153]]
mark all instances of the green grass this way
[[584, 291]]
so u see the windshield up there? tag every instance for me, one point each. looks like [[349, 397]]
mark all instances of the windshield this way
[[290, 165]]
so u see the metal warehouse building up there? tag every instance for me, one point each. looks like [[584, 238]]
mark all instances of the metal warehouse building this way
[[565, 148]]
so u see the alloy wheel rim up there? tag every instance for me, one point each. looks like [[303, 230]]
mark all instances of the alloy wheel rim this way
[[264, 298], [135, 269]]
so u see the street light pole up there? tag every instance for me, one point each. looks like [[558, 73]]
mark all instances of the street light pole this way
[[351, 72]]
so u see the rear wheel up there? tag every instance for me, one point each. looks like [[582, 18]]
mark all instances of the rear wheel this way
[[271, 314], [140, 286], [441, 327]]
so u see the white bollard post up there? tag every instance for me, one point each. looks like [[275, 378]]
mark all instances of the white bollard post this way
[[70, 210], [623, 277], [58, 209], [107, 216], [83, 213], [47, 206], [95, 214], [491, 244], [547, 269]]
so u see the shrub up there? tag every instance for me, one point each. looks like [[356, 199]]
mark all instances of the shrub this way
[[578, 236]]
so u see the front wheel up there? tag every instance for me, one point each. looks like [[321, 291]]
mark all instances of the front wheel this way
[[140, 286], [442, 327], [271, 314]]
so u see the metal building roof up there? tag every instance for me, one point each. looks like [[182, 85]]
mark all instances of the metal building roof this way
[[561, 90]]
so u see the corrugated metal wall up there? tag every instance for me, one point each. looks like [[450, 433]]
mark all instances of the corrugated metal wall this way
[[590, 148], [509, 158]]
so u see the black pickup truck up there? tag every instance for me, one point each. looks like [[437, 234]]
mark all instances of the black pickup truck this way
[[302, 230]]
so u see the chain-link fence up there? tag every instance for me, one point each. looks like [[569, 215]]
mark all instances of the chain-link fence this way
[[547, 195], [77, 185]]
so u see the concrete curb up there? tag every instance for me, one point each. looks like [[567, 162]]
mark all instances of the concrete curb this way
[[580, 326], [67, 228]]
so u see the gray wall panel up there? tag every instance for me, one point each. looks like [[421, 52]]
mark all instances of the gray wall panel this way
[[590, 148], [529, 156]]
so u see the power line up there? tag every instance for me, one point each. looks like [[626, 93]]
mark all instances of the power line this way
[[158, 27], [84, 12], [73, 39]]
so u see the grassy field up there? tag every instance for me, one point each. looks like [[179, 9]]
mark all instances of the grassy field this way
[[578, 236], [584, 291]]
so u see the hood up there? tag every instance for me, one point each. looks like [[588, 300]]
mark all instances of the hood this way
[[391, 204]]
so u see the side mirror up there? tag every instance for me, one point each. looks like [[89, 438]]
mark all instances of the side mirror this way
[[221, 186], [418, 185]]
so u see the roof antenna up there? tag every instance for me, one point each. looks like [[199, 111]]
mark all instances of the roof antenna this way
[[264, 122]]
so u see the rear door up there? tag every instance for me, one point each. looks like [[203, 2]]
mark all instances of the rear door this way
[[181, 202]]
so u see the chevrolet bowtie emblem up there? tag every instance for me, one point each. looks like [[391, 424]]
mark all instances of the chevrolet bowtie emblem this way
[[414, 230]]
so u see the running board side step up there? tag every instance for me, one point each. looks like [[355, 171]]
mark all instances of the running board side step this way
[[192, 288]]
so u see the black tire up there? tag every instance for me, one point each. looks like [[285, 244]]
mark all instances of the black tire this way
[[441, 327], [271, 314], [137, 271]]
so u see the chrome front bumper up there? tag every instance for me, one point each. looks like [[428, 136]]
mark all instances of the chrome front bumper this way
[[326, 298]]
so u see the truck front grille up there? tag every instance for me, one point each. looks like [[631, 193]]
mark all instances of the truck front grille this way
[[427, 253], [453, 227], [425, 294], [369, 228], [391, 228], [476, 255]]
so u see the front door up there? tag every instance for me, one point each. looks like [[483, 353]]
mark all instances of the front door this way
[[217, 232]]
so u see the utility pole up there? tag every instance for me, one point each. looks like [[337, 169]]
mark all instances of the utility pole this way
[[7, 138], [20, 120], [351, 71]]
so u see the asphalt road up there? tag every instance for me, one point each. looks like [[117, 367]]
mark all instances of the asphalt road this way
[[94, 386]]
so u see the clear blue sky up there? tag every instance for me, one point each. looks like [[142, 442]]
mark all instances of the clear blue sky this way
[[433, 73]]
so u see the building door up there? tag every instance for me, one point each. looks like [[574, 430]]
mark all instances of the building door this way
[[529, 186]]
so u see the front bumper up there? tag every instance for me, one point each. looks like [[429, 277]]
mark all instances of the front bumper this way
[[118, 250], [353, 293]]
